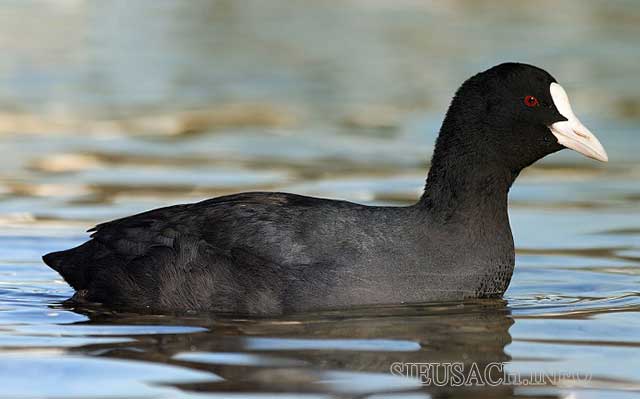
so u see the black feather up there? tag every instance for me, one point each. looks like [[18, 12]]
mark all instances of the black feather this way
[[269, 253]]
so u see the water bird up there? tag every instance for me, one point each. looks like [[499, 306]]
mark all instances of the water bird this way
[[266, 253]]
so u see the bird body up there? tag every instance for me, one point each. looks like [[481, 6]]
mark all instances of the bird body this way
[[271, 253]]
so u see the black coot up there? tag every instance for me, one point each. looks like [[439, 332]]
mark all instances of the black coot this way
[[273, 253]]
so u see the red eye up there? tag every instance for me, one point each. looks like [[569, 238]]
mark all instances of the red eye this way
[[530, 101]]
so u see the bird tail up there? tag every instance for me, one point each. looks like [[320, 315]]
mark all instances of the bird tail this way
[[72, 264]]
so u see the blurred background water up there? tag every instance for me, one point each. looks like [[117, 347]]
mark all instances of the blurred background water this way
[[110, 108]]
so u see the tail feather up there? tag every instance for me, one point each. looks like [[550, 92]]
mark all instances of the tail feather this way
[[72, 264]]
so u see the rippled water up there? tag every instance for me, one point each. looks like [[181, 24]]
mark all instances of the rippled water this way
[[110, 108]]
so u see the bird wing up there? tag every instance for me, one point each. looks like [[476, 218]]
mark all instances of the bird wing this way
[[233, 224]]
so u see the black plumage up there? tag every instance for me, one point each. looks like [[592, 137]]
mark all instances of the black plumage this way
[[273, 253]]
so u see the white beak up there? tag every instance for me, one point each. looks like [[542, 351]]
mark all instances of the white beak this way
[[571, 133]]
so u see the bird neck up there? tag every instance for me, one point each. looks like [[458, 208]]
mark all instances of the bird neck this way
[[466, 182]]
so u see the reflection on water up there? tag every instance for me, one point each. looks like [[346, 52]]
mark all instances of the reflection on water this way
[[111, 108]]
